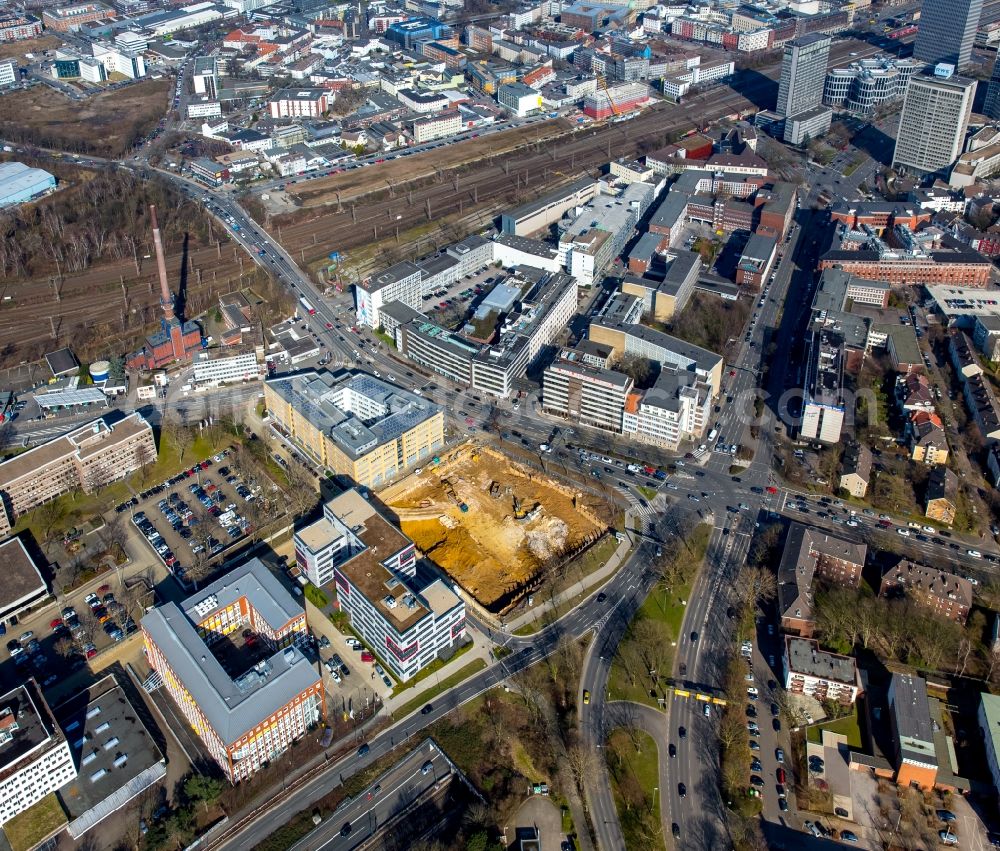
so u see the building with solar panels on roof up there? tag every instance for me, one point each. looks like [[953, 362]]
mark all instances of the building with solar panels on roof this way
[[354, 424]]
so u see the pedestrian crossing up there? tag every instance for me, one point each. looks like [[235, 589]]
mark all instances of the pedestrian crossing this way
[[641, 508]]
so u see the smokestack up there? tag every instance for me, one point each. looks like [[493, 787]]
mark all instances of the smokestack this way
[[166, 300]]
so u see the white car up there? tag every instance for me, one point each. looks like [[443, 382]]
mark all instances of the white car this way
[[904, 532], [930, 529], [752, 691], [974, 553]]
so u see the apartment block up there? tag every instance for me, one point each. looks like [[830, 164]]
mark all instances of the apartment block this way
[[406, 614], [299, 103], [822, 675], [19, 27], [944, 594], [35, 758], [810, 554], [585, 394], [856, 470], [443, 124], [87, 458], [251, 717]]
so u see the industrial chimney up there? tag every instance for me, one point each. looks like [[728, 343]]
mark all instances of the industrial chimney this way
[[166, 299]]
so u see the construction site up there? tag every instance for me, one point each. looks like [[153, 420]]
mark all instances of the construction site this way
[[496, 528]]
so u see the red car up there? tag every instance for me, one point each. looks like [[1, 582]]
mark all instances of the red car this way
[[771, 489], [329, 326], [104, 589], [204, 465], [780, 774], [92, 652], [56, 623]]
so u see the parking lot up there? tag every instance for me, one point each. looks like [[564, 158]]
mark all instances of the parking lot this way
[[75, 634], [449, 305], [195, 516]]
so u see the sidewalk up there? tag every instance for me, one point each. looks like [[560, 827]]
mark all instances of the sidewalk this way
[[595, 578], [482, 649]]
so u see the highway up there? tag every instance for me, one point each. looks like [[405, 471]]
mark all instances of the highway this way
[[358, 820]]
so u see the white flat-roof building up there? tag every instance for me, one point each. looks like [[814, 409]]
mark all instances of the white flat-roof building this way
[[225, 368], [406, 615], [23, 584], [35, 758]]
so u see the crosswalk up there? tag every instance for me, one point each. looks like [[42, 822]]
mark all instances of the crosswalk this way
[[638, 506]]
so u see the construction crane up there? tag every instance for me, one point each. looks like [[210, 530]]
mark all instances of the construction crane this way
[[607, 92]]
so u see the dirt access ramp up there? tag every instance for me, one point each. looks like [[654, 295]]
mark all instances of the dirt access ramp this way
[[398, 172], [516, 521]]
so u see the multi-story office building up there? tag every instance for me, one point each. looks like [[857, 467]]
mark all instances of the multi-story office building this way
[[536, 215], [677, 407], [299, 103], [406, 615], [431, 127], [640, 341], [354, 424], [823, 406], [800, 89], [866, 84], [225, 367], [85, 458], [991, 106], [247, 719], [989, 729], [932, 126], [825, 676], [70, 17], [946, 594], [438, 349], [408, 282], [205, 76], [947, 31], [586, 394], [35, 758]]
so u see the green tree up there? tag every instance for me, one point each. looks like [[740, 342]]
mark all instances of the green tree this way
[[201, 787]]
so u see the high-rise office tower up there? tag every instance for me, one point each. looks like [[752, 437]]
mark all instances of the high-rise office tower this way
[[991, 107], [935, 117], [800, 91], [946, 31]]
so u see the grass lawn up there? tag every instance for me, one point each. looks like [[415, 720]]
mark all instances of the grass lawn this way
[[72, 509], [642, 765], [432, 668], [28, 829], [847, 726], [594, 559], [648, 492], [461, 674]]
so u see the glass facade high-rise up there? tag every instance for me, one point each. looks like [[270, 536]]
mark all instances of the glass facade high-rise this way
[[991, 107], [947, 29], [800, 90]]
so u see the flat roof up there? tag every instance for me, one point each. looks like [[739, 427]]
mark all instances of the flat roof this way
[[71, 397], [86, 440], [24, 707], [22, 580], [805, 657], [525, 245], [106, 734], [911, 709], [62, 361], [549, 198], [701, 358], [356, 411], [232, 707]]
